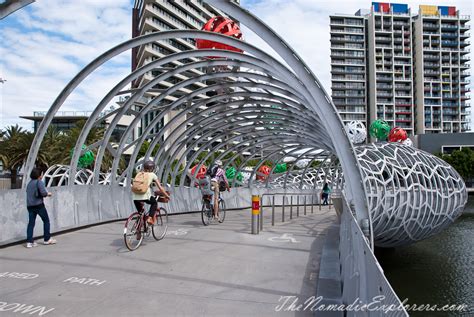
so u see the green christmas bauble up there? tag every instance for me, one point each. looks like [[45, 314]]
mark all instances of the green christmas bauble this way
[[86, 159], [230, 174], [280, 168], [379, 129]]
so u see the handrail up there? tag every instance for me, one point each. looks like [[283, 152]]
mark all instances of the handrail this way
[[290, 204]]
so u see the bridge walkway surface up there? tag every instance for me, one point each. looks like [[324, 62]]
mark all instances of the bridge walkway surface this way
[[219, 270]]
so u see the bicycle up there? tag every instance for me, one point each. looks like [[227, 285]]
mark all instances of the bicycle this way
[[207, 212], [136, 226]]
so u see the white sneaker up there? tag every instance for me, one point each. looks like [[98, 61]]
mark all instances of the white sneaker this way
[[31, 244], [50, 241]]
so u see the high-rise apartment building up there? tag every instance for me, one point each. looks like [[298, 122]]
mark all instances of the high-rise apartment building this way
[[348, 67], [409, 70], [390, 67], [441, 57], [163, 15]]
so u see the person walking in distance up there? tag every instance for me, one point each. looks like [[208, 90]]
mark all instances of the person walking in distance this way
[[325, 194], [35, 193]]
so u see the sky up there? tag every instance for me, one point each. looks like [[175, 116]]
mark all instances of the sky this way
[[43, 46]]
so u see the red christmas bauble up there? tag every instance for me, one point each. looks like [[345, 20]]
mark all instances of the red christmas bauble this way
[[397, 134], [201, 173], [263, 172], [223, 26]]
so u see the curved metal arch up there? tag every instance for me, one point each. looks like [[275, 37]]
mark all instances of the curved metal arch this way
[[213, 99], [317, 171], [261, 141], [222, 154], [187, 98], [183, 84], [220, 127], [184, 99], [206, 146], [237, 153], [96, 63], [251, 112], [170, 107], [177, 56], [281, 158], [311, 90], [344, 149]]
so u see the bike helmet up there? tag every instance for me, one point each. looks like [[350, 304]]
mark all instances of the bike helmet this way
[[218, 163], [149, 165]]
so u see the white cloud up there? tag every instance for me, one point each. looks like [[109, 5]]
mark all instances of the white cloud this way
[[46, 44], [304, 24]]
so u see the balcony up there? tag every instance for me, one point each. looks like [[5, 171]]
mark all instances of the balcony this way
[[449, 35], [381, 86], [429, 26], [450, 43], [448, 27], [431, 57]]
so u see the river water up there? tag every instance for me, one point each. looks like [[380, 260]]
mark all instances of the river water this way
[[439, 270]]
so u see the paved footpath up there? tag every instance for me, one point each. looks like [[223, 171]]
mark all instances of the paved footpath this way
[[219, 270]]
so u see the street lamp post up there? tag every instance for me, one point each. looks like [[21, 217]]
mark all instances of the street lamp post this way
[[2, 81]]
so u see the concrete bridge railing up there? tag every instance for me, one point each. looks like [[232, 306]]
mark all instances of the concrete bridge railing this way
[[77, 206]]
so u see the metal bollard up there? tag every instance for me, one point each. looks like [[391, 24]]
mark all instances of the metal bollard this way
[[312, 203], [273, 210], [260, 217], [320, 201], [291, 207], [304, 205], [298, 206], [255, 213], [283, 210]]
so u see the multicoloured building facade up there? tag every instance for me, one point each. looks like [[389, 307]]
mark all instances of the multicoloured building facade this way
[[410, 70]]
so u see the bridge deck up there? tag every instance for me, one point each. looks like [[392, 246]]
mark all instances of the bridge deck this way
[[196, 271]]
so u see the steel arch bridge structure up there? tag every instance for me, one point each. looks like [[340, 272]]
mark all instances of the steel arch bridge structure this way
[[254, 108]]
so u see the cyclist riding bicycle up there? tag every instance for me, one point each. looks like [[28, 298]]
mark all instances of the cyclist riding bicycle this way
[[141, 190], [218, 179]]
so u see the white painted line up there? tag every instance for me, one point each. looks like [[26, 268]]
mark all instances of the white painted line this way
[[286, 237], [24, 308], [84, 281], [23, 276]]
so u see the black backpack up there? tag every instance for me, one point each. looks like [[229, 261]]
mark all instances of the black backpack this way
[[212, 171]]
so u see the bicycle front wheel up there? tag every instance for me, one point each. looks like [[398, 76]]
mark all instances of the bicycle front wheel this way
[[221, 211], [132, 233], [161, 224], [206, 213]]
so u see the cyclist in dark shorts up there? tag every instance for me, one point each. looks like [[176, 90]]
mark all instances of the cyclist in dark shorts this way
[[147, 197]]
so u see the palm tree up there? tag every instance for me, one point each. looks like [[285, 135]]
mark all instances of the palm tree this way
[[9, 148], [14, 150]]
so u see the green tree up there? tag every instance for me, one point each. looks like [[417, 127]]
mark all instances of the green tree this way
[[14, 149], [462, 161]]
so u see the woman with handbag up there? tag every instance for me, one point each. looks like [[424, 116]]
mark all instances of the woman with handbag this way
[[35, 192]]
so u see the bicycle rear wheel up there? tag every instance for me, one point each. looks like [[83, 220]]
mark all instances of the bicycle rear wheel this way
[[221, 211], [206, 213], [132, 233], [161, 224]]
